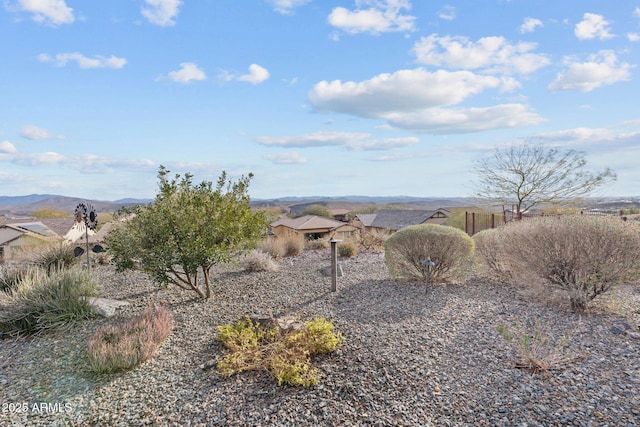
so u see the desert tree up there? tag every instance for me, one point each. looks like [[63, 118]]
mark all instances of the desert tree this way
[[529, 174], [187, 230]]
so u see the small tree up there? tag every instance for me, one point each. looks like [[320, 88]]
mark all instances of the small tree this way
[[318, 210], [187, 230], [528, 175]]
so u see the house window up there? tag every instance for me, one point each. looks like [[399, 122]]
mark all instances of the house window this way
[[346, 234], [313, 236]]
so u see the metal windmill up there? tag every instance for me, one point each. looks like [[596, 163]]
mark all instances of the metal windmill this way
[[87, 214]]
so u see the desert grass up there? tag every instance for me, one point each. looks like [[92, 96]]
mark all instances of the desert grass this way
[[128, 344]]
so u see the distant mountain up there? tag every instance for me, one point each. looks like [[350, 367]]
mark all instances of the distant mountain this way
[[26, 205], [21, 200]]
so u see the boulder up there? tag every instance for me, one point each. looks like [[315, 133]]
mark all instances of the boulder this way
[[105, 307]]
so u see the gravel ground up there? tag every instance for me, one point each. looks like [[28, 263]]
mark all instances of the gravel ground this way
[[410, 357]]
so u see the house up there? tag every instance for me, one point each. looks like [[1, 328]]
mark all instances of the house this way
[[391, 220], [22, 235], [311, 227]]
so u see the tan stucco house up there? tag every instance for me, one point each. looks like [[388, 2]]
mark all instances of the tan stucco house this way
[[311, 227]]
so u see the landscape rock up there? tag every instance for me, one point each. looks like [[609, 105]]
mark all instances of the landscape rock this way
[[105, 307]]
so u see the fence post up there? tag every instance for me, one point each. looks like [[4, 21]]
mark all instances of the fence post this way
[[473, 223]]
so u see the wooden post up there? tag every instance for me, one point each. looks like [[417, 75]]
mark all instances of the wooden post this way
[[334, 264]]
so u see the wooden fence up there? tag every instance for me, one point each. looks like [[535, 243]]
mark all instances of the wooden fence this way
[[475, 222]]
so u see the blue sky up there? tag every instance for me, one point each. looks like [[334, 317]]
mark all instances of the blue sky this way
[[314, 97]]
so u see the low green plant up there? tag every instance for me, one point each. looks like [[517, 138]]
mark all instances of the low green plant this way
[[56, 257], [284, 353], [126, 345], [42, 300], [538, 351], [451, 249], [10, 278], [347, 249]]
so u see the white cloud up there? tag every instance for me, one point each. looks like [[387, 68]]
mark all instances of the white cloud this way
[[161, 12], [257, 74], [633, 37], [188, 73], [491, 54], [316, 139], [49, 12], [36, 133], [636, 12], [530, 24], [289, 158], [84, 62], [465, 120], [383, 144], [286, 7], [374, 17], [592, 26], [600, 69], [7, 148], [38, 159], [402, 91], [448, 13], [355, 141]]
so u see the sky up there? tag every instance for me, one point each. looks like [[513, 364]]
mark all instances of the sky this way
[[313, 97]]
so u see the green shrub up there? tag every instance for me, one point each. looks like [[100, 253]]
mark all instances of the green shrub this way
[[57, 257], [449, 248], [285, 353], [583, 255], [126, 345], [347, 249], [42, 300], [10, 278], [257, 260]]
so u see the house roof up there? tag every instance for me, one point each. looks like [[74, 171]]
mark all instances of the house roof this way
[[308, 222], [366, 219], [395, 219], [34, 229]]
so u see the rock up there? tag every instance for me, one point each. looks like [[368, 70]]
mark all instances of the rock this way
[[326, 271], [105, 307]]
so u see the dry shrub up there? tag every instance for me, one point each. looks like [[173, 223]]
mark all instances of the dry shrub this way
[[257, 260], [449, 248], [347, 250], [285, 353], [491, 254], [272, 246], [316, 244], [126, 345], [538, 350], [584, 256], [293, 246], [372, 240]]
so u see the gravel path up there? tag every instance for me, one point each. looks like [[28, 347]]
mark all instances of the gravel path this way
[[410, 358]]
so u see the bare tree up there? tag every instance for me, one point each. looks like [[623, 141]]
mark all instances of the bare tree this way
[[527, 174]]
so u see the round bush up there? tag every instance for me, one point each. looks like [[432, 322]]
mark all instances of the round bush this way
[[449, 248]]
